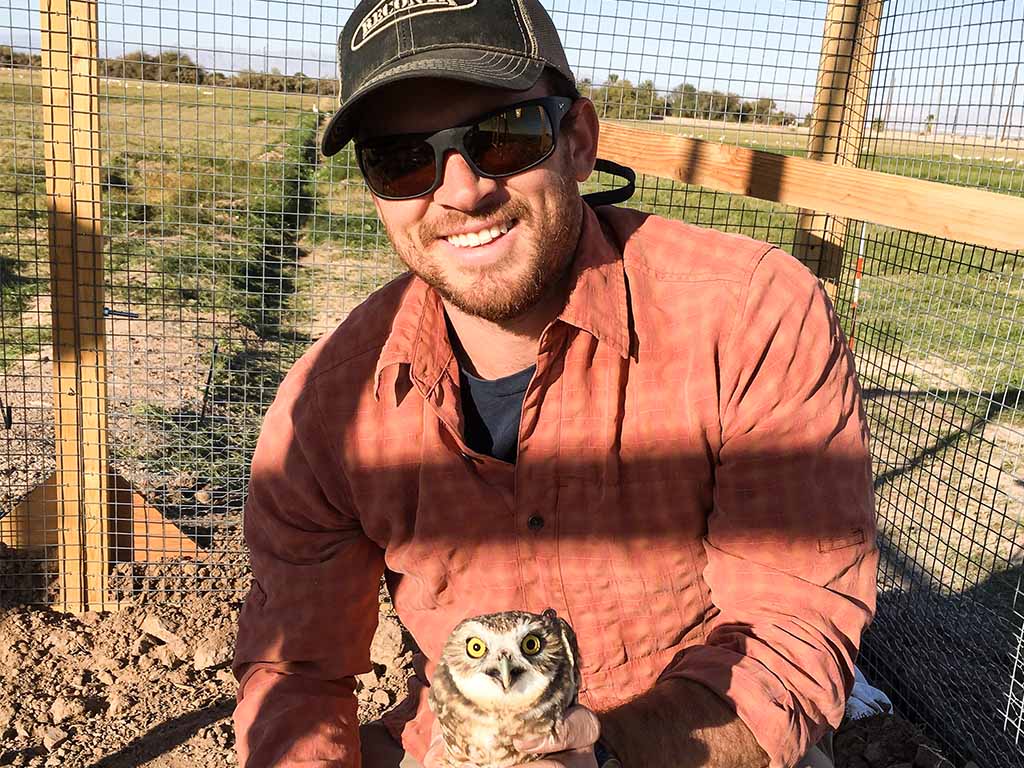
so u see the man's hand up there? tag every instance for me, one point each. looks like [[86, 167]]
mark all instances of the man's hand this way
[[572, 746], [435, 754]]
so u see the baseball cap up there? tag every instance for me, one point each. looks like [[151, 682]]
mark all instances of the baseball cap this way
[[502, 43]]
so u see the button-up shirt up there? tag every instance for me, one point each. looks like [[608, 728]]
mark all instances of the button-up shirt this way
[[692, 493]]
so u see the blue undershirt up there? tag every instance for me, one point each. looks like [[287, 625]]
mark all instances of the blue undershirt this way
[[491, 410]]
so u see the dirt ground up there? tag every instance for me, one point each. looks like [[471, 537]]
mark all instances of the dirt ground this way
[[150, 685]]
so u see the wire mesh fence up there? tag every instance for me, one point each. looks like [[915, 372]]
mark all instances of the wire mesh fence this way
[[938, 332], [224, 245]]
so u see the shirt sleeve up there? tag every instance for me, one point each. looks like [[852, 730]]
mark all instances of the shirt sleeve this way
[[790, 543], [305, 629]]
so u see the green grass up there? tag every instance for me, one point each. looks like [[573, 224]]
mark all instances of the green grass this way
[[344, 211], [214, 231], [205, 190], [972, 324]]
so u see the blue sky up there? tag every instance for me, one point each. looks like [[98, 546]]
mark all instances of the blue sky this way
[[945, 57]]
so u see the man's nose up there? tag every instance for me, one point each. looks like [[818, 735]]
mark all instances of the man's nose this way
[[461, 188]]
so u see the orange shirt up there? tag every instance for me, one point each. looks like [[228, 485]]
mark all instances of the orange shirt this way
[[693, 493]]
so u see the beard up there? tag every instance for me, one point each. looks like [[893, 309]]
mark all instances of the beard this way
[[507, 289]]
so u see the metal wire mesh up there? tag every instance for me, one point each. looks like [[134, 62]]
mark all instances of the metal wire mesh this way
[[937, 331], [229, 245]]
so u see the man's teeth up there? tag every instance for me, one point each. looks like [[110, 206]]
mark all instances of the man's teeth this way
[[472, 239]]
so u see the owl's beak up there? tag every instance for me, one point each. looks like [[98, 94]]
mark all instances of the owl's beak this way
[[506, 672], [505, 667]]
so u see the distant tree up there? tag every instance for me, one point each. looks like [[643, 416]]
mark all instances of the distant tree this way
[[327, 86], [618, 99], [763, 110], [178, 67], [649, 104], [251, 79], [683, 100], [621, 99], [168, 66], [718, 105], [12, 58], [217, 78], [877, 125]]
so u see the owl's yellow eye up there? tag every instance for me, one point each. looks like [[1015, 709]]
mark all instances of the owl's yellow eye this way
[[530, 645], [476, 648]]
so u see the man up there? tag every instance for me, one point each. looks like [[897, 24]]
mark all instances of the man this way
[[651, 428]]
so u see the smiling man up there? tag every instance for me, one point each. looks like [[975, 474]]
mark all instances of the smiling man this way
[[652, 428]]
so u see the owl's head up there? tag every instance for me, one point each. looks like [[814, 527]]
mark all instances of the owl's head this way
[[510, 659]]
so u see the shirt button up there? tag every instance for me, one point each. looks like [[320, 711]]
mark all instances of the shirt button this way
[[535, 523]]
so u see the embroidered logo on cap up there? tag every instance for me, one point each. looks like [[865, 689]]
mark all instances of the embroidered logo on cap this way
[[388, 12]]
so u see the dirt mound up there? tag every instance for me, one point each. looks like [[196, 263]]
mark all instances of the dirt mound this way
[[884, 741], [148, 685]]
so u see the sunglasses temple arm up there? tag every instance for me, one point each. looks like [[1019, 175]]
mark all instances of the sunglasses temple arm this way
[[617, 195]]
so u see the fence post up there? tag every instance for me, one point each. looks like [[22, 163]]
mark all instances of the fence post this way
[[69, 38], [837, 122]]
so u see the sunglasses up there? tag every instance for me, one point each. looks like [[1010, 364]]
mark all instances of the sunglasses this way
[[502, 143]]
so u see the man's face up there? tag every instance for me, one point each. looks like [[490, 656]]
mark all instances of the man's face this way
[[535, 215]]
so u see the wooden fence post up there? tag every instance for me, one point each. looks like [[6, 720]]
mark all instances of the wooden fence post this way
[[86, 511], [70, 49], [837, 123]]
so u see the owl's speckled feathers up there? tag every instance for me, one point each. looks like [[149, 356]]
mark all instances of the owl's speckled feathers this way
[[503, 677]]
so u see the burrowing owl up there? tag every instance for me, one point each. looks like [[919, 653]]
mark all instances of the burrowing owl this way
[[501, 677]]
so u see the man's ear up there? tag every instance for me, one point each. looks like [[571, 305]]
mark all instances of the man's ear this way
[[582, 132]]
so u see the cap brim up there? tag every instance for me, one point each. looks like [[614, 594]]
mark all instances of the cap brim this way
[[470, 65]]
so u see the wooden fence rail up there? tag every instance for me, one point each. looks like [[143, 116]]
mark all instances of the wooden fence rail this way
[[958, 213]]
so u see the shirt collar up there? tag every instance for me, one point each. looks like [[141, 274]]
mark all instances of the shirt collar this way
[[597, 303]]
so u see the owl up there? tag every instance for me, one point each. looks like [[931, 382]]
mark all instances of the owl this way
[[503, 677]]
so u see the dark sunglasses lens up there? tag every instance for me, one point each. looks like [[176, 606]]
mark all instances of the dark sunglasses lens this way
[[511, 141], [401, 168]]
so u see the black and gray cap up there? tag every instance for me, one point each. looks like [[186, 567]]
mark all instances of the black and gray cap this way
[[501, 43]]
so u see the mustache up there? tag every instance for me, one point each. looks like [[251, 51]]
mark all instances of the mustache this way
[[513, 210]]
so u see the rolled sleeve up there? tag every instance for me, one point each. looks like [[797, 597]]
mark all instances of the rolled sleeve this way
[[306, 626], [790, 544]]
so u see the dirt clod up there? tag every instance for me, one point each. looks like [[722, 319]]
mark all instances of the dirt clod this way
[[66, 709], [212, 653], [158, 628], [928, 757], [884, 741], [53, 737]]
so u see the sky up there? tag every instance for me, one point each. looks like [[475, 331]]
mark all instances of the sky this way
[[951, 58]]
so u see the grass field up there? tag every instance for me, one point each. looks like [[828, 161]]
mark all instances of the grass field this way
[[218, 208]]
